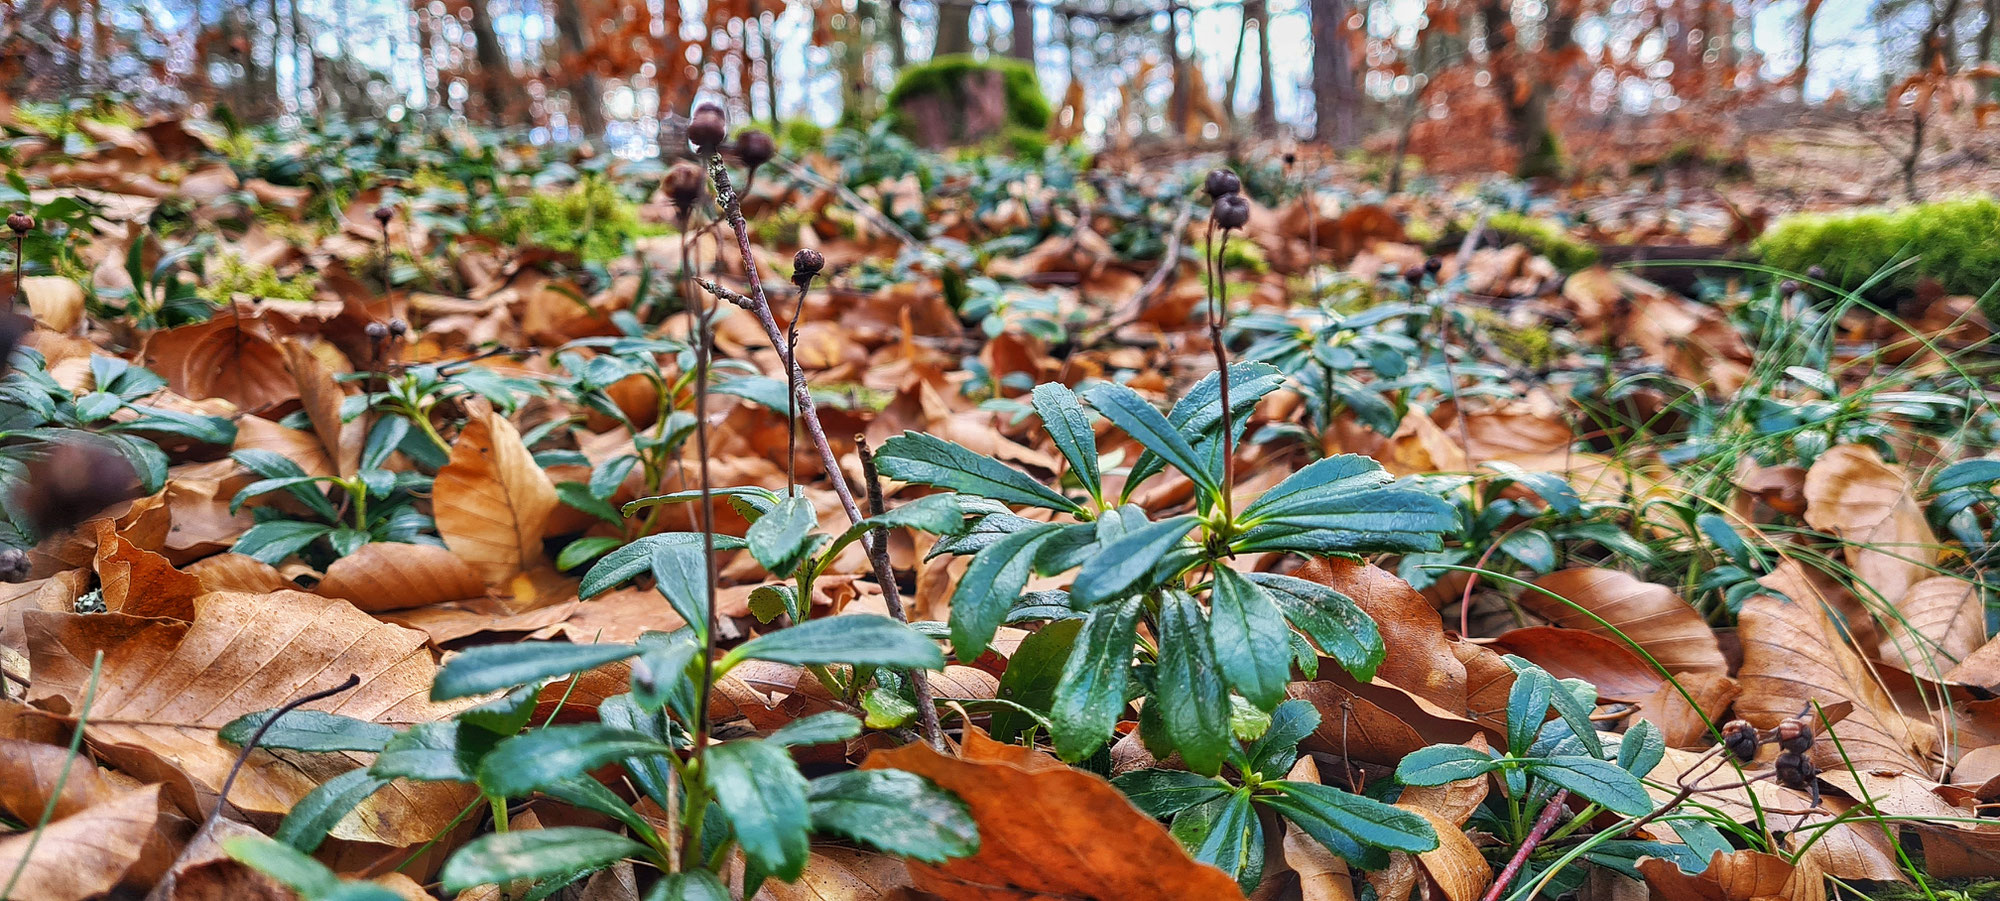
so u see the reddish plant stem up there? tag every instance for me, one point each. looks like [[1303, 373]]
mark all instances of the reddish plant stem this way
[[878, 553], [1218, 310], [1539, 831]]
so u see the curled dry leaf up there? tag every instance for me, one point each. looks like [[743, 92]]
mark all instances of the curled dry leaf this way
[[492, 500], [236, 572], [30, 773], [1626, 682], [1419, 660], [167, 687], [1940, 621], [56, 301], [322, 397], [229, 356], [1735, 876], [1047, 830], [139, 582], [386, 576], [1794, 654], [85, 854], [1652, 616], [1868, 504]]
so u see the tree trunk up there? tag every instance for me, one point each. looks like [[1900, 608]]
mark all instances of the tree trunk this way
[[496, 80], [1335, 100], [954, 29], [1021, 43], [756, 21], [1267, 89], [1179, 104], [1236, 60], [585, 94], [1534, 139], [899, 52]]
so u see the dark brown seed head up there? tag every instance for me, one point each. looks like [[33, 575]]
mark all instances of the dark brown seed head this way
[[1795, 734], [684, 183], [1433, 264], [1741, 739], [755, 148], [21, 223], [383, 214], [377, 331], [1796, 772], [398, 327], [14, 566], [1221, 183], [72, 483], [708, 128], [1414, 275], [1816, 273], [806, 264], [1291, 158], [1231, 211]]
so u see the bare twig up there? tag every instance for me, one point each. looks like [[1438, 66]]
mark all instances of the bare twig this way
[[1130, 311], [760, 306], [846, 196]]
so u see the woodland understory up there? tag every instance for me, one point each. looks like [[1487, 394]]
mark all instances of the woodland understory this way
[[419, 512]]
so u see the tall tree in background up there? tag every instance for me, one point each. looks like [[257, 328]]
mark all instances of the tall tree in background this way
[[496, 78], [586, 95], [1336, 100], [1021, 43], [954, 27]]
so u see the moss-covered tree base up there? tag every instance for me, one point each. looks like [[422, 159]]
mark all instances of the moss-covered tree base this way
[[958, 100], [1952, 241]]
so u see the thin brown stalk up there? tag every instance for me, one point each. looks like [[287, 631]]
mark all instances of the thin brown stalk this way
[[878, 553], [1218, 311], [1543, 824], [791, 400]]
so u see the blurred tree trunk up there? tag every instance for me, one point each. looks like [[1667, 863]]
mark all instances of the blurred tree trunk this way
[[1267, 89], [584, 92], [1806, 17], [1179, 104], [496, 79], [954, 28], [676, 89], [1021, 44], [770, 52], [1335, 100], [899, 52], [1534, 138], [1236, 61]]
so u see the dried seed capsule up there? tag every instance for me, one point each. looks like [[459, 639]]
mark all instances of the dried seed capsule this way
[[1796, 772], [755, 148], [806, 264], [1788, 288], [1291, 158], [708, 128], [1221, 183], [1414, 275], [398, 327], [1816, 273], [383, 214], [21, 223], [1231, 211], [683, 185], [377, 331], [1794, 734], [1433, 264], [1741, 739], [14, 566]]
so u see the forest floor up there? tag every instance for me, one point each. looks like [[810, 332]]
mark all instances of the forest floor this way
[[1514, 566]]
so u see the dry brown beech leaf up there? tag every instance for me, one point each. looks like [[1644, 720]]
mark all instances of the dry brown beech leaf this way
[[56, 301], [229, 356], [1652, 616], [168, 686], [491, 501], [29, 774], [237, 572], [389, 576], [139, 582], [1793, 655], [322, 398], [844, 874], [1735, 876], [1047, 830], [1853, 495], [1941, 621], [85, 854], [1419, 660]]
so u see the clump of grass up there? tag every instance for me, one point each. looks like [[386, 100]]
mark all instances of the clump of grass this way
[[1951, 239]]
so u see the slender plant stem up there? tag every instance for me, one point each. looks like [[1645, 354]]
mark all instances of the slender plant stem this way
[[760, 306], [1543, 824], [62, 778], [701, 732], [879, 554], [1218, 311], [792, 400]]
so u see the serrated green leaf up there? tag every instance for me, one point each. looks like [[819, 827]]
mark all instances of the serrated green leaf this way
[[897, 812], [503, 857], [1091, 692], [1439, 764], [929, 460], [552, 754], [765, 800], [822, 728], [1031, 676], [1321, 809], [1137, 418], [308, 822], [994, 578], [780, 539], [1194, 704], [309, 730], [487, 668], [1124, 565], [862, 639], [1069, 427], [1595, 780], [1248, 632], [1336, 624], [1163, 793]]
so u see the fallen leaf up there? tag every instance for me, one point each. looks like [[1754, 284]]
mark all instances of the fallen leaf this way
[[1940, 621], [492, 500], [1047, 830], [1418, 658], [1651, 616], [140, 582], [85, 854], [390, 576], [1735, 876], [56, 301], [1869, 505]]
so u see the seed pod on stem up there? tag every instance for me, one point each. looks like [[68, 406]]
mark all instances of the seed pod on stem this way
[[707, 128]]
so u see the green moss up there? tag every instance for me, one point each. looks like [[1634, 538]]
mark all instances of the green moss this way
[[1532, 346], [1026, 107], [1240, 255], [238, 277], [780, 226], [1952, 239], [799, 136], [1545, 238], [590, 220]]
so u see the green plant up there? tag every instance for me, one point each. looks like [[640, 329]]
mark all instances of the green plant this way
[[417, 395], [374, 504], [590, 220], [37, 413], [1323, 353], [1216, 817], [1949, 240]]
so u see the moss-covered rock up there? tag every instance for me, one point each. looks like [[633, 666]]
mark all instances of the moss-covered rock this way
[[590, 220], [1545, 238], [1956, 241], [946, 100]]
